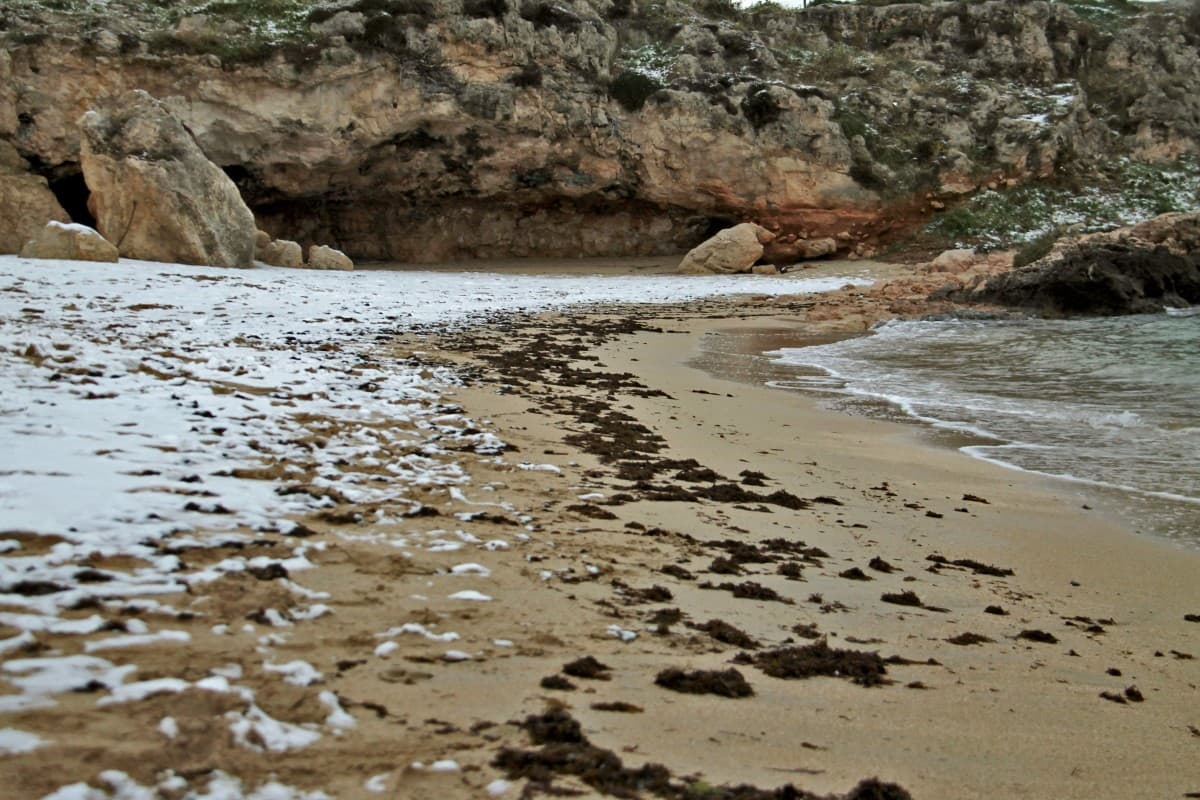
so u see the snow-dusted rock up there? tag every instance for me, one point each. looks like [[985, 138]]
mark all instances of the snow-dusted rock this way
[[155, 193], [69, 241], [322, 257], [282, 253]]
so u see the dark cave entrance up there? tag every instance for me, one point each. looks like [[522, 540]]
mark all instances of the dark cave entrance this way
[[72, 193]]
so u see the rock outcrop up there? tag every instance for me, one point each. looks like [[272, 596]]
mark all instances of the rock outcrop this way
[[1135, 270], [69, 241], [26, 202], [441, 129], [155, 194], [732, 250]]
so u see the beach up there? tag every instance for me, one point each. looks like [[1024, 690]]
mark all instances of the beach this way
[[585, 489]]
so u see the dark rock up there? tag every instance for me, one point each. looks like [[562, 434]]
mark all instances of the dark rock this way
[[1109, 279]]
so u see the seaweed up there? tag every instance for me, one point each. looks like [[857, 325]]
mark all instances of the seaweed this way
[[676, 571], [618, 706], [722, 631], [905, 598], [566, 751], [879, 565], [724, 683], [819, 659], [969, 638], [589, 668], [749, 590]]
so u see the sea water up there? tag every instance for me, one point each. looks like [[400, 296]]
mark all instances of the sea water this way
[[1111, 402]]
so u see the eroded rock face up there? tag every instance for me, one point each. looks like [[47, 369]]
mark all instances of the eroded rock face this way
[[155, 194], [26, 205], [71, 242], [446, 130], [730, 251]]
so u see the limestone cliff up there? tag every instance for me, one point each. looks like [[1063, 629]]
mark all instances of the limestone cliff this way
[[443, 129]]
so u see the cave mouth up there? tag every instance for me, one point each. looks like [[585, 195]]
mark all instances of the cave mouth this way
[[714, 225], [73, 193]]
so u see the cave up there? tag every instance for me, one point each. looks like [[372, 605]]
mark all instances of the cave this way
[[714, 225], [72, 193]]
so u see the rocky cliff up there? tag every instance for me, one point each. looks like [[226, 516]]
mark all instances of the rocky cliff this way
[[444, 129]]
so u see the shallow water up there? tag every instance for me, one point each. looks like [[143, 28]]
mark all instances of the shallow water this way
[[1112, 405]]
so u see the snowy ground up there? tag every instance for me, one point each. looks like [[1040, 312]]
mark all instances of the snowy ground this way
[[149, 410]]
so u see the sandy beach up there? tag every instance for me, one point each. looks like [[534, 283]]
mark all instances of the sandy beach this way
[[654, 515]]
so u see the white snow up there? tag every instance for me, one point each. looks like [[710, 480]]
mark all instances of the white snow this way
[[498, 787], [470, 569], [143, 689], [418, 628], [456, 655], [168, 727], [471, 595], [220, 786], [377, 783], [15, 742], [274, 735], [528, 467], [137, 640], [617, 632], [338, 718], [297, 673]]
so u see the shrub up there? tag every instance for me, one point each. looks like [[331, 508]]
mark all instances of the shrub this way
[[632, 89], [1037, 248]]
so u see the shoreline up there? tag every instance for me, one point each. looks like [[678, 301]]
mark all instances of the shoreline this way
[[593, 537], [747, 362]]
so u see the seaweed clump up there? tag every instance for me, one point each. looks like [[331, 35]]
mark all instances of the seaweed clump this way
[[722, 631], [724, 683], [819, 659], [589, 668]]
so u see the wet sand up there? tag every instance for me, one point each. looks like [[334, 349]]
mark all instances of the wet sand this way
[[636, 480]]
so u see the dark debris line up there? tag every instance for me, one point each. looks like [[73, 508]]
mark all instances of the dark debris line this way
[[566, 752]]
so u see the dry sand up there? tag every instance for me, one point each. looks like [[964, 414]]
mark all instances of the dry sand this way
[[1009, 717]]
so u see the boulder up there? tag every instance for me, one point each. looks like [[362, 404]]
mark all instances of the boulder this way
[[69, 241], [261, 240], [26, 205], [322, 257], [155, 193], [778, 252], [954, 261], [283, 253], [731, 250]]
